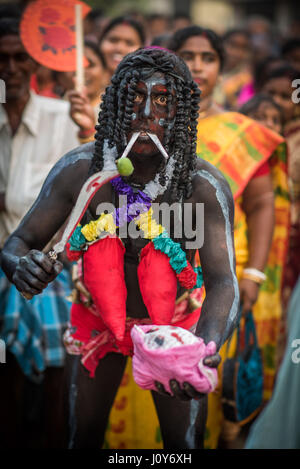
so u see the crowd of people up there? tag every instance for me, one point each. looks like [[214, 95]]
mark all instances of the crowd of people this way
[[248, 128]]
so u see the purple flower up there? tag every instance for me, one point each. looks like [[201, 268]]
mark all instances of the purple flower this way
[[137, 202]]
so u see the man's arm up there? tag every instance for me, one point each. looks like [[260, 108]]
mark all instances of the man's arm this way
[[220, 308], [219, 312], [22, 260]]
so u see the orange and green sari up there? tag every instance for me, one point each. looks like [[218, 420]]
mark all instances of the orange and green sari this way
[[238, 147]]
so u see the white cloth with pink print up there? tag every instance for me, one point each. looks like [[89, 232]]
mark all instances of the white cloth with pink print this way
[[163, 353]]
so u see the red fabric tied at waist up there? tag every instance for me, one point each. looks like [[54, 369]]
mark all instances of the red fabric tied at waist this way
[[93, 340], [103, 327], [103, 265], [90, 337]]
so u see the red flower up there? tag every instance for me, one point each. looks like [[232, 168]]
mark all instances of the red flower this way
[[188, 277], [57, 38], [49, 15], [72, 255]]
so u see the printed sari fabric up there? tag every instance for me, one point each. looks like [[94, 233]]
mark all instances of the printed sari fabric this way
[[238, 147]]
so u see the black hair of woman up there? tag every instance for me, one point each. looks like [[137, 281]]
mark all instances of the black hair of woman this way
[[182, 35], [95, 48], [285, 70], [234, 32], [10, 10], [10, 26], [290, 45], [253, 104], [262, 69], [136, 25]]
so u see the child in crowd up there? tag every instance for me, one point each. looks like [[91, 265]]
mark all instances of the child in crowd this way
[[265, 110]]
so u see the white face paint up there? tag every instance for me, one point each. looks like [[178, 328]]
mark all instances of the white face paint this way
[[150, 82], [155, 79]]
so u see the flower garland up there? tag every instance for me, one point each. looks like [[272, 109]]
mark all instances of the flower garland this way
[[139, 210], [137, 202]]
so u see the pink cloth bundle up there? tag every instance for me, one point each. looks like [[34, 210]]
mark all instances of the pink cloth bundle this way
[[162, 353]]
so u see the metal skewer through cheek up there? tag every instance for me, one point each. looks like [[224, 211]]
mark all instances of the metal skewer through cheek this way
[[157, 142], [153, 137], [130, 144]]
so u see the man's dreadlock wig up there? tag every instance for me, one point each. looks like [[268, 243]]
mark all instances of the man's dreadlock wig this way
[[116, 110]]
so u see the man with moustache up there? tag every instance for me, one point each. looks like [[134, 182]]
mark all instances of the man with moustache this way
[[149, 110]]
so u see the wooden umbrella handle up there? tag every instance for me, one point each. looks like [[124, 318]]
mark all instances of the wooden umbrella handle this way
[[79, 52]]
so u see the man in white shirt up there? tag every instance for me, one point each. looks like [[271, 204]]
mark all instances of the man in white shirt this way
[[34, 133]]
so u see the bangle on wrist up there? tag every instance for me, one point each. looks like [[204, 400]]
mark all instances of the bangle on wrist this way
[[256, 275]]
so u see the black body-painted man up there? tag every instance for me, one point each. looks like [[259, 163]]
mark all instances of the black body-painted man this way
[[152, 91]]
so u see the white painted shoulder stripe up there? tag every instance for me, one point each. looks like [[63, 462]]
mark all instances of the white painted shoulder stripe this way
[[229, 242]]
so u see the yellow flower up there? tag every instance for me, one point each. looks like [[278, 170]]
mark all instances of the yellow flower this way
[[89, 231], [154, 231], [106, 223], [149, 226]]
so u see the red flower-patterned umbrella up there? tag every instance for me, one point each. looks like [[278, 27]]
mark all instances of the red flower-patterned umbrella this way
[[48, 32]]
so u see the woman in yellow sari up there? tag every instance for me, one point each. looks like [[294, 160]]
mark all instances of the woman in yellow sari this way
[[253, 160]]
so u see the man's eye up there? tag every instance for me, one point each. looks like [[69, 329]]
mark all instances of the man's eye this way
[[138, 98], [162, 100]]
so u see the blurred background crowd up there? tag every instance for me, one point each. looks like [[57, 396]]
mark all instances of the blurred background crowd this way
[[255, 33], [245, 58]]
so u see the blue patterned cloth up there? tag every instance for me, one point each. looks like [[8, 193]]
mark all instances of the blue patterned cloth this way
[[32, 330]]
